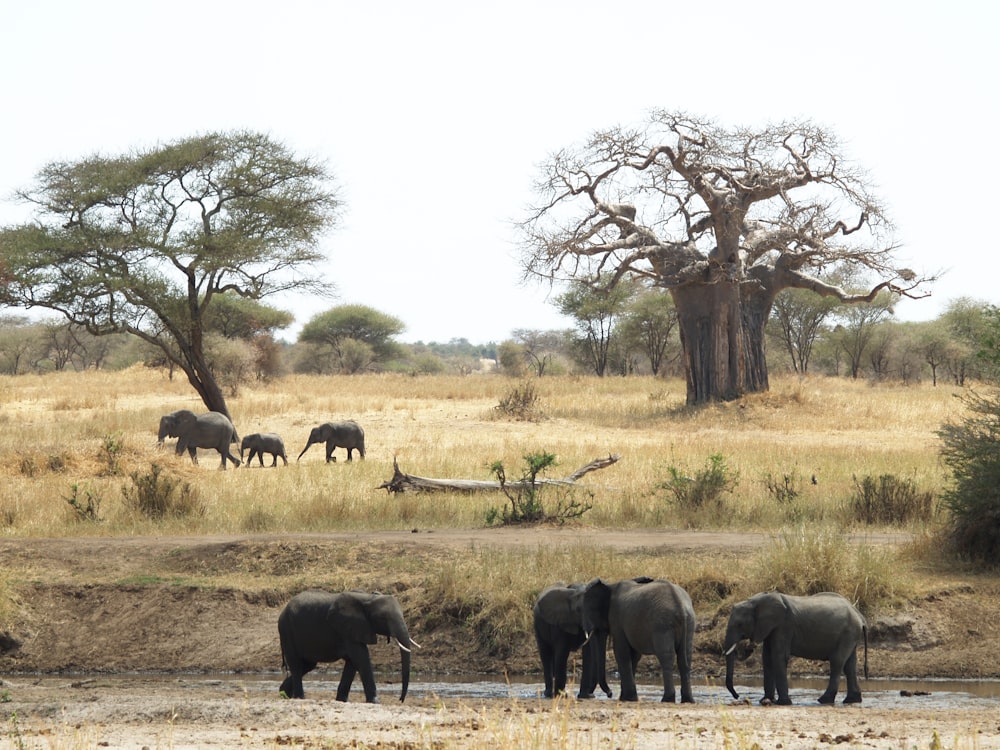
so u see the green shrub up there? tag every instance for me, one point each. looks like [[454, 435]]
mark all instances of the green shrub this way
[[525, 498], [971, 450], [156, 495], [890, 500], [704, 488], [86, 508]]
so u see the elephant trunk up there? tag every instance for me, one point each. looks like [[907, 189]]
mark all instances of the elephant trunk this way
[[405, 643], [304, 451], [730, 666]]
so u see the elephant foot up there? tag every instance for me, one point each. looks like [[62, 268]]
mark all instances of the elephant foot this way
[[629, 698], [828, 700], [786, 701], [668, 698], [853, 698], [585, 696], [687, 699]]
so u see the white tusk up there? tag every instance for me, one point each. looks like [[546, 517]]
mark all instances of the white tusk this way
[[414, 643], [731, 649], [402, 647], [589, 636]]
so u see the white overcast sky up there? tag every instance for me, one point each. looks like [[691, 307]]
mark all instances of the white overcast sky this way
[[434, 116]]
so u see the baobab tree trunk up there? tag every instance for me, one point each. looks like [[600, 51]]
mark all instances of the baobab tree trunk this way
[[720, 351]]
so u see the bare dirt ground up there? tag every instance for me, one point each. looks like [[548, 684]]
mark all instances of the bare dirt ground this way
[[91, 628]]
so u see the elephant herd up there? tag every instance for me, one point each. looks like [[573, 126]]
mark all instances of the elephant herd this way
[[640, 615], [215, 431]]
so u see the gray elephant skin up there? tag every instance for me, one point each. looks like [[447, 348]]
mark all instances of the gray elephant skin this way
[[317, 626], [193, 431], [558, 623], [259, 443], [347, 435], [825, 627], [644, 616]]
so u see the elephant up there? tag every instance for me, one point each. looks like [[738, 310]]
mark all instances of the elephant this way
[[823, 626], [558, 631], [347, 435], [259, 443], [644, 616], [317, 626], [193, 431]]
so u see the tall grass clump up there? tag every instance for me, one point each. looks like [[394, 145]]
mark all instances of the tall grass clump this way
[[806, 562], [890, 500], [971, 450], [522, 403], [156, 495], [699, 494]]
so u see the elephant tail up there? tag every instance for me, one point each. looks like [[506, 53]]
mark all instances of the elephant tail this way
[[864, 632]]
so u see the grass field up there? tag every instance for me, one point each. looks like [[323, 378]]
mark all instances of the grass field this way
[[83, 435]]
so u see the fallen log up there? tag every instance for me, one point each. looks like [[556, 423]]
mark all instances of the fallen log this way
[[401, 482]]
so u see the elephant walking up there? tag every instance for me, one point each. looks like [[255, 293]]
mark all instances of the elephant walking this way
[[347, 435], [259, 443], [644, 616], [193, 431], [825, 627], [558, 623], [317, 626]]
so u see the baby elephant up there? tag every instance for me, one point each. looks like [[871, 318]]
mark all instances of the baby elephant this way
[[260, 443]]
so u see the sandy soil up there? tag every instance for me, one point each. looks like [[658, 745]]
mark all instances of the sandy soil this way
[[70, 626]]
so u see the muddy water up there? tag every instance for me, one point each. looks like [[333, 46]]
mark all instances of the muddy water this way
[[934, 695]]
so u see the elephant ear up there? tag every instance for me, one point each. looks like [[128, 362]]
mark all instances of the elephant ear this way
[[557, 608], [351, 619], [770, 612], [596, 603]]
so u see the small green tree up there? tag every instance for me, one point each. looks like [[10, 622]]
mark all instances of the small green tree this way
[[971, 450], [359, 337], [525, 498]]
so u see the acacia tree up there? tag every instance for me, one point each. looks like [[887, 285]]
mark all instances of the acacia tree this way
[[144, 243], [723, 218]]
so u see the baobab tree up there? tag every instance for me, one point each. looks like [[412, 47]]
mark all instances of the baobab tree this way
[[725, 219]]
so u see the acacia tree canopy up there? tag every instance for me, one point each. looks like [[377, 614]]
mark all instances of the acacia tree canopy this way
[[144, 243], [725, 218]]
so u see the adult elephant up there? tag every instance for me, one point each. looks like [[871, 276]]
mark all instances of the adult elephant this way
[[824, 626], [347, 435], [194, 431], [317, 626], [644, 616], [558, 622], [259, 443]]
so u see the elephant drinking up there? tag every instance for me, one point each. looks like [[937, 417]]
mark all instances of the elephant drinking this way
[[644, 616], [317, 626], [259, 443], [193, 431], [825, 627], [347, 435], [558, 623]]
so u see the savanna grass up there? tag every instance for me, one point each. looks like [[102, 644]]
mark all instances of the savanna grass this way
[[57, 429]]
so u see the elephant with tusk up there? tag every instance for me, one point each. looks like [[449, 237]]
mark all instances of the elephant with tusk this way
[[317, 626], [825, 627]]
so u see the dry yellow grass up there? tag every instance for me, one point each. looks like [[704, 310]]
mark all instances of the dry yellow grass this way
[[56, 427]]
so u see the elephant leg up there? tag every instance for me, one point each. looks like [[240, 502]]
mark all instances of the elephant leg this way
[[665, 654], [546, 654], [346, 679], [363, 663], [684, 651], [560, 658], [627, 660], [851, 672], [274, 460], [329, 452], [780, 672]]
